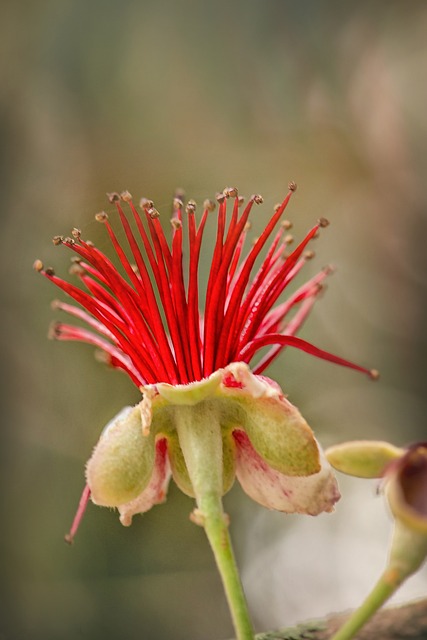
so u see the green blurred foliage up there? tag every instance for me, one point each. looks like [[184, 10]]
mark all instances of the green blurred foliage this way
[[144, 95]]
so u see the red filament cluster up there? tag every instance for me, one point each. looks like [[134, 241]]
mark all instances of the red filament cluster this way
[[146, 318]]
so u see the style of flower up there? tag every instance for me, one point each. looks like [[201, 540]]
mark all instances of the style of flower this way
[[192, 368]]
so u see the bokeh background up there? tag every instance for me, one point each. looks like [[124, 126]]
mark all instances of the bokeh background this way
[[144, 95]]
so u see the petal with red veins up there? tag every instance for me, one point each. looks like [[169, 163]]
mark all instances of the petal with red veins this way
[[275, 428], [311, 494]]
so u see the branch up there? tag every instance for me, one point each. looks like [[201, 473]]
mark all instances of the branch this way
[[407, 622]]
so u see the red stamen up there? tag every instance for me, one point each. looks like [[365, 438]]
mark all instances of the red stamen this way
[[247, 353], [219, 294], [270, 293], [195, 241], [155, 321], [147, 322], [228, 333], [79, 515]]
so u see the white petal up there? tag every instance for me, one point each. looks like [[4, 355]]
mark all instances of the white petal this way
[[311, 494]]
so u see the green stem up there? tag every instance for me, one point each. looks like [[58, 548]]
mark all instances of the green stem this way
[[200, 438], [215, 525], [382, 591], [407, 553]]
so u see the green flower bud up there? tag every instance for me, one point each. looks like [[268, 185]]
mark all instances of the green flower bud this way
[[363, 458]]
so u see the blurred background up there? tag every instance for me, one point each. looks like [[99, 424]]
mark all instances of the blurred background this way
[[147, 96]]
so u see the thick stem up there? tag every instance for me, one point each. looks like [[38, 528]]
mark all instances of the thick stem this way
[[199, 433]]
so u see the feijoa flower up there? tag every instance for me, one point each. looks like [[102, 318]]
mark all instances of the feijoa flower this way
[[192, 366]]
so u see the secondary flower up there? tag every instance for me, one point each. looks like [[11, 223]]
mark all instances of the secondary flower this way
[[403, 474], [193, 368]]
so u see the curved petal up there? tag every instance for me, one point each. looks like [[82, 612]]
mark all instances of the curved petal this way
[[122, 462], [310, 494], [276, 429], [155, 492]]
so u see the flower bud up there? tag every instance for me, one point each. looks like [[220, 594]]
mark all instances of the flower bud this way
[[363, 458]]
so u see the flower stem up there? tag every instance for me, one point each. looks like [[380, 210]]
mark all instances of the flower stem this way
[[216, 528], [381, 592], [200, 438], [407, 553]]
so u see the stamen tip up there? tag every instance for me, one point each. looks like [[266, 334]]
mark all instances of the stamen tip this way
[[145, 203], [231, 192], [209, 205], [49, 271], [76, 269], [257, 198], [286, 224], [292, 186], [289, 239], [69, 539], [220, 197], [191, 206], [102, 357], [323, 222], [126, 196], [54, 331], [374, 374], [113, 197], [38, 265], [153, 213], [309, 255], [102, 216], [57, 240], [179, 193], [330, 269], [76, 233]]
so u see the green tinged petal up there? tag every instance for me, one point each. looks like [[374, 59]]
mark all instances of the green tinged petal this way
[[122, 462], [277, 431]]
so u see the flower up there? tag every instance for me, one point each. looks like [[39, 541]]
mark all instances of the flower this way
[[403, 474], [145, 319]]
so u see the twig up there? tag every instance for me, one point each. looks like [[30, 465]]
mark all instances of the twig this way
[[405, 622]]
